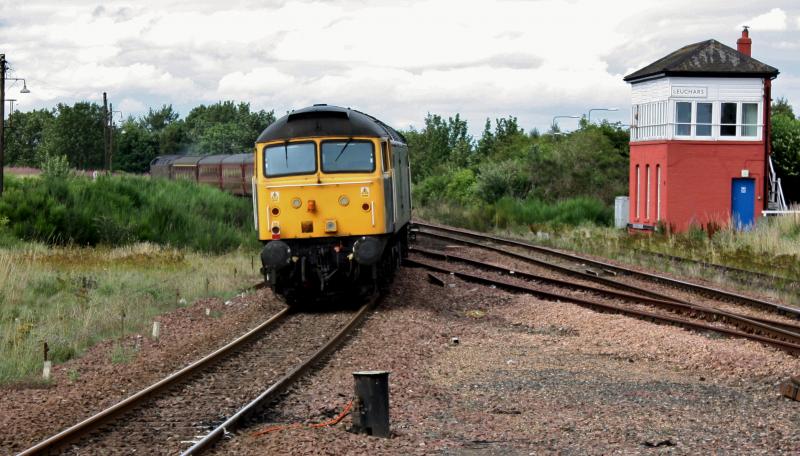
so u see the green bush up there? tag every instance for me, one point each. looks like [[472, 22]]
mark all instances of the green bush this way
[[511, 212], [458, 186], [115, 210]]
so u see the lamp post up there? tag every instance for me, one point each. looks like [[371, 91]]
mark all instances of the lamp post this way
[[3, 114], [599, 109], [555, 125]]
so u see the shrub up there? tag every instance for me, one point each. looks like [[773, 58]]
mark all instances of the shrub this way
[[458, 186], [115, 210]]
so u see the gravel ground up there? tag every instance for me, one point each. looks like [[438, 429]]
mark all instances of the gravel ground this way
[[535, 377], [527, 377], [84, 386]]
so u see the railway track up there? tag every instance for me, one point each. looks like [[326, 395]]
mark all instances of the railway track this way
[[597, 271], [786, 338], [193, 408]]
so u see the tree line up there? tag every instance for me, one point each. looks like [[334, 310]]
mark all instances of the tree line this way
[[447, 162], [77, 132]]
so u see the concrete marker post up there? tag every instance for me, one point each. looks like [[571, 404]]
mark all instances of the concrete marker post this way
[[48, 365], [156, 330], [371, 403]]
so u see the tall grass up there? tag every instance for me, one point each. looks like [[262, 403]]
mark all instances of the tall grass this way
[[74, 297], [121, 210], [520, 215]]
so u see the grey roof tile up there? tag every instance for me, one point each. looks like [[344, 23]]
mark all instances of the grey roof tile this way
[[706, 58]]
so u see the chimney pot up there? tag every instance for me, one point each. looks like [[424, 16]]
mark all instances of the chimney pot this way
[[744, 44]]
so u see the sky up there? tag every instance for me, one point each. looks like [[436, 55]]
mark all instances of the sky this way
[[396, 60]]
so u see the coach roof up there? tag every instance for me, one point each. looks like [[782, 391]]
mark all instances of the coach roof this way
[[324, 120]]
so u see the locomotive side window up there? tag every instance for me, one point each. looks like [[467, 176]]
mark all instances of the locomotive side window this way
[[386, 163], [290, 158], [347, 156]]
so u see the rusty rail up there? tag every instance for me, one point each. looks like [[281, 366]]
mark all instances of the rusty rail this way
[[697, 288], [790, 347], [785, 331], [271, 393], [77, 431]]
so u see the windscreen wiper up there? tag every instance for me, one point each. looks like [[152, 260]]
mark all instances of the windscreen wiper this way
[[286, 152], [343, 148]]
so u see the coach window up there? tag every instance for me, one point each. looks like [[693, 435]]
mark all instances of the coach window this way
[[347, 156], [290, 158]]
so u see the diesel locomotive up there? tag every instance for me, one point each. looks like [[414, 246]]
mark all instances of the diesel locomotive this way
[[332, 201]]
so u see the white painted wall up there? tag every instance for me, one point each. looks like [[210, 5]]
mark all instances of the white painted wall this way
[[653, 105]]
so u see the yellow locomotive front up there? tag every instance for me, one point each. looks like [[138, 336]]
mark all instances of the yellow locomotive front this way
[[332, 201]]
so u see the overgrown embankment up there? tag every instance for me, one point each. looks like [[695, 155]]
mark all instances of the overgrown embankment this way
[[122, 210], [85, 260]]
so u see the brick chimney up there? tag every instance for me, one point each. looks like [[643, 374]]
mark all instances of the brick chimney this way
[[744, 43]]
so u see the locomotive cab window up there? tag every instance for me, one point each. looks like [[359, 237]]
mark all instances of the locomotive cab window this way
[[290, 158], [347, 156]]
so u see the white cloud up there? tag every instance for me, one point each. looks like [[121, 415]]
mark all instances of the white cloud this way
[[129, 105], [774, 20], [395, 59]]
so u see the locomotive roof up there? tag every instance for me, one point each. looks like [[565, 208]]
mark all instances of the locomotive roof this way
[[324, 120]]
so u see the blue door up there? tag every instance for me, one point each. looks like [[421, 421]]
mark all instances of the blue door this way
[[743, 203]]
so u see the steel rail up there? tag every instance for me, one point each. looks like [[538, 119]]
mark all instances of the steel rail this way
[[78, 430], [271, 393], [548, 265], [594, 305], [774, 329], [715, 292]]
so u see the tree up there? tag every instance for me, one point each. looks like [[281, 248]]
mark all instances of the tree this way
[[786, 145], [225, 127], [781, 106], [77, 132], [24, 136], [136, 147], [441, 145]]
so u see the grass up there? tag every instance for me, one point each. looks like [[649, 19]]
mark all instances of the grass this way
[[519, 215], [73, 297]]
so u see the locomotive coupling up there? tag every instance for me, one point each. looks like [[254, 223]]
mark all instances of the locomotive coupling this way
[[368, 250], [276, 254]]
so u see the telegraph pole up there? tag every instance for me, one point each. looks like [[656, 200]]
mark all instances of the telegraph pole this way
[[110, 134], [105, 130], [2, 119]]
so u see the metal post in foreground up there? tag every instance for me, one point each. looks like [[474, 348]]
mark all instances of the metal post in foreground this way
[[371, 403]]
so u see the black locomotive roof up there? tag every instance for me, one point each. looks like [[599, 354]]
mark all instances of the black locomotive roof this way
[[324, 120]]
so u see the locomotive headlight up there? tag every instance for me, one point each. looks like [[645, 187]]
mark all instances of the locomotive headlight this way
[[296, 203], [344, 200]]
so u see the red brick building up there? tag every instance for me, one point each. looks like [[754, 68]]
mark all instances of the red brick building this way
[[699, 138]]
